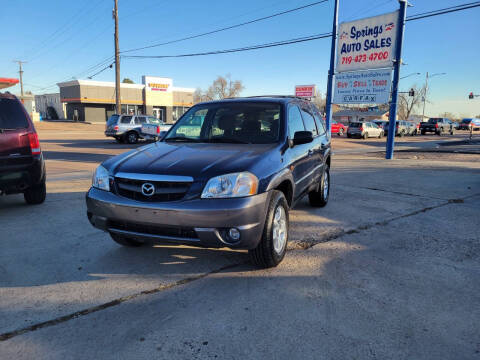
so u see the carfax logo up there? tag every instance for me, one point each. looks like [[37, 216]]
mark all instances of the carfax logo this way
[[389, 27]]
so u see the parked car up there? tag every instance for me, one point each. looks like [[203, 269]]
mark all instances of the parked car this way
[[127, 128], [364, 130], [438, 126], [338, 128], [225, 175], [154, 130], [465, 124], [22, 168], [383, 124], [412, 128]]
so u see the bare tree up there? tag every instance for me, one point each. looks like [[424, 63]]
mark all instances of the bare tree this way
[[407, 104], [127, 81], [319, 102], [448, 115], [223, 87]]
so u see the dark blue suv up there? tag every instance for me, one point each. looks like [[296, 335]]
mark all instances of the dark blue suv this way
[[225, 175]]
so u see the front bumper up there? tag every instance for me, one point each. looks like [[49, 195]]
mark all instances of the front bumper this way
[[200, 222]]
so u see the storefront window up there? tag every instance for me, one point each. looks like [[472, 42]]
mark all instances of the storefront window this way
[[178, 111]]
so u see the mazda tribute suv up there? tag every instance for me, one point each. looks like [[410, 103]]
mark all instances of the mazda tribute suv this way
[[225, 175]]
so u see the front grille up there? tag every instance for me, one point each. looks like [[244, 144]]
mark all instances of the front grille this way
[[178, 232], [164, 190]]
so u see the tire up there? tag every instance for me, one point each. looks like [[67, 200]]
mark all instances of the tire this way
[[340, 132], [440, 132], [269, 253], [36, 194], [380, 135], [365, 136], [320, 197], [124, 241], [131, 137]]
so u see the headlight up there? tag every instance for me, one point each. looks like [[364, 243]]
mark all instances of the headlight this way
[[101, 179], [231, 185]]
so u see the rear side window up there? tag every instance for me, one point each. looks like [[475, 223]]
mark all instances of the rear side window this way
[[126, 119], [140, 120], [320, 124], [12, 115], [295, 122]]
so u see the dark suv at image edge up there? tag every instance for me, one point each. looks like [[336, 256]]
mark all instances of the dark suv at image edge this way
[[22, 169], [225, 175]]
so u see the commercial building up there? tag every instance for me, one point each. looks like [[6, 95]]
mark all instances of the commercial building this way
[[94, 101], [50, 106]]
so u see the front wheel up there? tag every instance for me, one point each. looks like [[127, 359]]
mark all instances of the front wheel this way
[[271, 249], [125, 241], [36, 194], [319, 198]]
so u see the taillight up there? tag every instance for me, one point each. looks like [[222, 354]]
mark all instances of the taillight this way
[[34, 143], [361, 129], [436, 126], [115, 127], [158, 129]]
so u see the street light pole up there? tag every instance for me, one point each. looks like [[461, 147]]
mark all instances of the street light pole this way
[[404, 77], [426, 90]]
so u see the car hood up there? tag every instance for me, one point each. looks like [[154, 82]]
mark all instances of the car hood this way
[[198, 160]]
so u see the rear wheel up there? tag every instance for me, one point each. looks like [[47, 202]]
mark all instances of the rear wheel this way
[[365, 136], [36, 194], [132, 137], [125, 241], [271, 249], [319, 198]]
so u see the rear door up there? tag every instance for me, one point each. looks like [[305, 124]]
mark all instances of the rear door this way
[[314, 153], [14, 128]]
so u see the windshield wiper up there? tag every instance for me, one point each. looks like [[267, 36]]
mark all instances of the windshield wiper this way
[[227, 140], [181, 138]]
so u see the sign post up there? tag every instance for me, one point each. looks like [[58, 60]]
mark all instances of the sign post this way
[[396, 77], [331, 72]]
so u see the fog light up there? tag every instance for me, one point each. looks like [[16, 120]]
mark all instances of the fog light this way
[[234, 234]]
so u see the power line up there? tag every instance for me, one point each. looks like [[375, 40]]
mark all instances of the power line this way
[[99, 72], [298, 40], [228, 27]]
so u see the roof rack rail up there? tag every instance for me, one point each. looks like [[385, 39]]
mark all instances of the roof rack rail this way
[[279, 96]]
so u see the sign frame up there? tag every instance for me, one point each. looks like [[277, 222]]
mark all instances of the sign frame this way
[[305, 91]]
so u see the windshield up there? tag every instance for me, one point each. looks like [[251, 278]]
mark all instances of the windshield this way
[[433, 120], [112, 120], [12, 115], [466, 121], [355, 125], [246, 123]]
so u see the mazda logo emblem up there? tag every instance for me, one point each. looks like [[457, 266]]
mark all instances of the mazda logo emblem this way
[[148, 189]]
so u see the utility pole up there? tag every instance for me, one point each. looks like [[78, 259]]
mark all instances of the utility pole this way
[[20, 71], [331, 72], [118, 101], [402, 14], [425, 96]]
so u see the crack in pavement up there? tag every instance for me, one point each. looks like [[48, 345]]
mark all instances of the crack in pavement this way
[[301, 245], [115, 302]]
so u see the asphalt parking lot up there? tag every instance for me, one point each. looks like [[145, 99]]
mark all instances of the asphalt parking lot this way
[[390, 269]]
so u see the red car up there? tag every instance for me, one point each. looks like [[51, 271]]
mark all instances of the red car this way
[[338, 128]]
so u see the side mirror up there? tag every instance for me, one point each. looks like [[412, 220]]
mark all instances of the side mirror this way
[[302, 137]]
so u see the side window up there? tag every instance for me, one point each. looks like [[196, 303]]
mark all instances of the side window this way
[[320, 124], [295, 122], [309, 122], [142, 119], [126, 120]]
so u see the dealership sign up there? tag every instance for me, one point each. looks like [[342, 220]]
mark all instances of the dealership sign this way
[[307, 91], [363, 87], [367, 43]]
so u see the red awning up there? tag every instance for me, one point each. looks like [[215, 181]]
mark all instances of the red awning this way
[[6, 82]]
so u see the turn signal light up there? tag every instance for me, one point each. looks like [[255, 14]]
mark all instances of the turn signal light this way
[[34, 143]]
